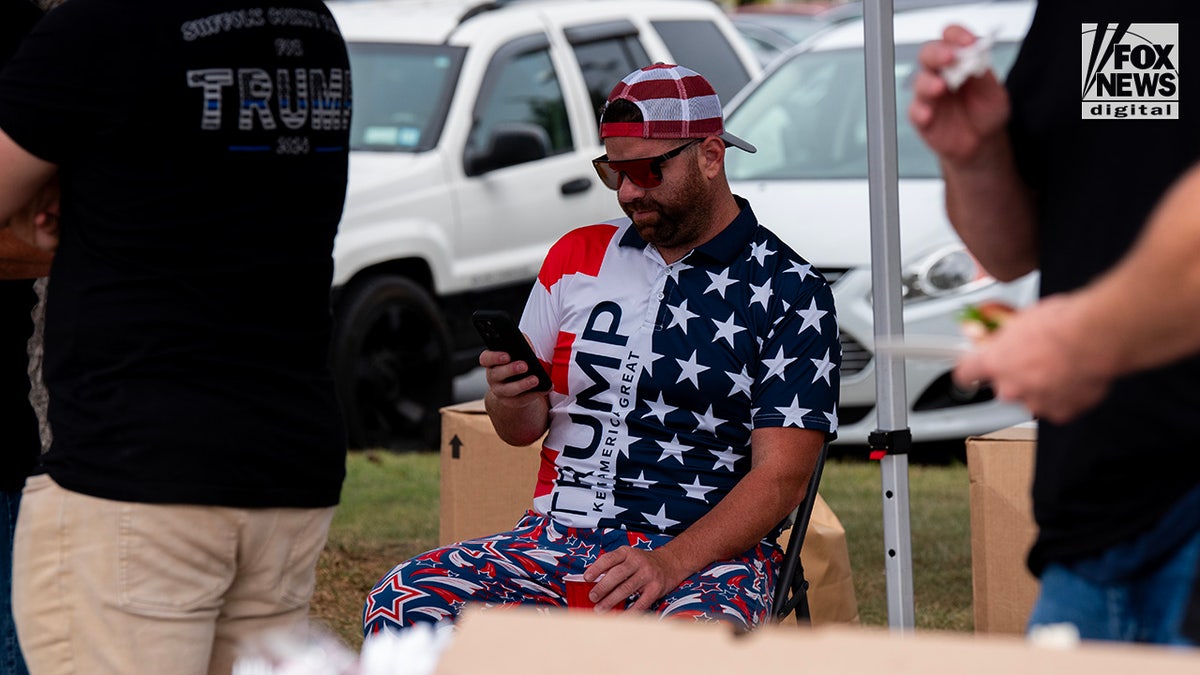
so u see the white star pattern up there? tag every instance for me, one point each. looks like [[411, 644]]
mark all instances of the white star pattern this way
[[649, 365], [660, 519], [793, 415], [804, 271], [759, 252], [674, 269], [707, 422], [832, 417], [761, 294], [660, 409], [641, 481], [673, 449], [719, 282], [680, 316], [741, 382], [690, 370], [777, 365], [812, 316], [725, 459], [727, 329], [824, 367], [696, 490]]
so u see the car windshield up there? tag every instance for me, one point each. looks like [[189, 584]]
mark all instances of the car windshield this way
[[401, 94], [808, 118]]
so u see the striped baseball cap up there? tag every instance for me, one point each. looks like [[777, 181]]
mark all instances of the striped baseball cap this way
[[676, 102]]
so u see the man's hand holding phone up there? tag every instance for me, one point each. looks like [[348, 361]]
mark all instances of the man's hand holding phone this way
[[516, 401], [510, 362]]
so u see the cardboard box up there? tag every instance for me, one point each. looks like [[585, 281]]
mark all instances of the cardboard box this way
[[520, 640], [487, 485], [1000, 470]]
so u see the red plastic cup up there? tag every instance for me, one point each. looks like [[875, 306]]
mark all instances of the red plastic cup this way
[[577, 593]]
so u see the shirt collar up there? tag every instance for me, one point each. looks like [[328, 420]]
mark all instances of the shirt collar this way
[[723, 248]]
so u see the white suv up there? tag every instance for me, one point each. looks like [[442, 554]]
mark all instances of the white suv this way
[[473, 129]]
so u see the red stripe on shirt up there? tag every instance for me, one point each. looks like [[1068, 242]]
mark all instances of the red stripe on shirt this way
[[579, 252]]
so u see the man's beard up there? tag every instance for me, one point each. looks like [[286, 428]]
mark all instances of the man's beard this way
[[681, 220]]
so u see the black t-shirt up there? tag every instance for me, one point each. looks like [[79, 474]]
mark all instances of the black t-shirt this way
[[19, 430], [202, 149], [16, 18], [1100, 135]]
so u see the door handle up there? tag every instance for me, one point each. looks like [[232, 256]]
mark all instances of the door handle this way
[[576, 186]]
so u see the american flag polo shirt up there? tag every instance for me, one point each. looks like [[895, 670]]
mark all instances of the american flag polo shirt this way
[[661, 371]]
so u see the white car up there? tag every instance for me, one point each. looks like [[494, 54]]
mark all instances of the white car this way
[[473, 130], [808, 182]]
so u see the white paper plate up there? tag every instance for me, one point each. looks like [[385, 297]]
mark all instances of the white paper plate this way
[[923, 346]]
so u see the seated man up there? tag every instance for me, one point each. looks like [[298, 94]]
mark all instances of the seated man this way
[[694, 359]]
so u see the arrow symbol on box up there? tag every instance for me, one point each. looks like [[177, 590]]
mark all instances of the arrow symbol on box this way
[[455, 444]]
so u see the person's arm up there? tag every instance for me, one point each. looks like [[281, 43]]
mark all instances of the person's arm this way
[[782, 461], [28, 227], [1159, 280], [21, 176], [1059, 357], [988, 203], [519, 414], [19, 259]]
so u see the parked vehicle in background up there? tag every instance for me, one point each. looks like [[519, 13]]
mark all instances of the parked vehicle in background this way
[[770, 29], [473, 129], [853, 9], [808, 182]]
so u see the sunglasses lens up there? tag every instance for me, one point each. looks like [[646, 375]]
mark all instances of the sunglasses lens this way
[[610, 178], [640, 171]]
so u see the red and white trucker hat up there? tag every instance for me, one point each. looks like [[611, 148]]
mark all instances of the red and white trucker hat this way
[[675, 102]]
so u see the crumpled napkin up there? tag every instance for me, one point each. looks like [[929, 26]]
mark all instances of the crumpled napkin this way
[[971, 61], [413, 651], [313, 651]]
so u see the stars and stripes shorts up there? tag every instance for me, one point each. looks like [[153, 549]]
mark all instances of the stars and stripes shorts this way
[[527, 564]]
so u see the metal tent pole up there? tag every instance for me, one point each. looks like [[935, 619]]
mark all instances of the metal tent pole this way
[[892, 438]]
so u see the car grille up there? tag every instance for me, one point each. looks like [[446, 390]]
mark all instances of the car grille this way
[[855, 357]]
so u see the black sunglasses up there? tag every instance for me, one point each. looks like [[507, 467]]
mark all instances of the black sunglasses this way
[[645, 172]]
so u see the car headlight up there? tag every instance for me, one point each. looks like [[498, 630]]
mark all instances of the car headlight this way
[[946, 271]]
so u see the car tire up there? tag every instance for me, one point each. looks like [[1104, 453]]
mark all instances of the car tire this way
[[391, 361]]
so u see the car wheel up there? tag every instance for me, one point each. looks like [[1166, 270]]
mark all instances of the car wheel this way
[[392, 365]]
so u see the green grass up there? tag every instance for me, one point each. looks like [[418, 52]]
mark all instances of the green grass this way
[[939, 523], [388, 497], [389, 512]]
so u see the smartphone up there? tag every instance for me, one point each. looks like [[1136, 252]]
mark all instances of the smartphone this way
[[501, 334]]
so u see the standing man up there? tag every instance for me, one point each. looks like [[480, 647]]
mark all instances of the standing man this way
[[20, 264], [198, 451], [694, 360], [1039, 176]]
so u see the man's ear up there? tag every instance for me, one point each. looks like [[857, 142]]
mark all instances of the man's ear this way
[[712, 152]]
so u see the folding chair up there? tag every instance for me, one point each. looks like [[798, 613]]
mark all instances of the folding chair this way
[[791, 590]]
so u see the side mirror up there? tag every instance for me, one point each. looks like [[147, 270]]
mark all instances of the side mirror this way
[[509, 144]]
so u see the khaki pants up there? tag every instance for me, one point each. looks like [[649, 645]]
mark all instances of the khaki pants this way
[[104, 586]]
